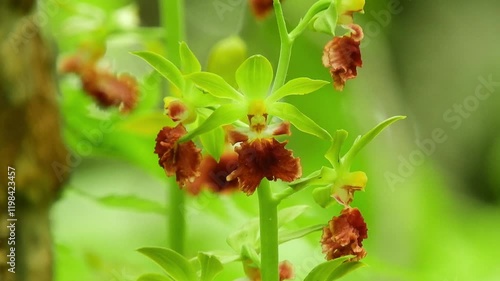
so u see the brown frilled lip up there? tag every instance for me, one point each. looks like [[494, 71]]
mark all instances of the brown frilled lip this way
[[235, 135], [342, 56], [213, 174], [111, 90], [344, 235], [264, 158], [181, 159]]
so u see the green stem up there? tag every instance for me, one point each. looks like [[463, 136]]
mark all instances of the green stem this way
[[285, 49], [287, 39], [176, 218], [268, 212], [172, 20]]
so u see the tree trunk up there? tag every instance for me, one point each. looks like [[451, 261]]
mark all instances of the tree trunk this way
[[30, 142]]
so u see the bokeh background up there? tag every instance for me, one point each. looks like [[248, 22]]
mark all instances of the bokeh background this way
[[432, 200]]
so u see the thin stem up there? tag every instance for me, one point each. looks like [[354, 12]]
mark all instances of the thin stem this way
[[285, 49], [287, 39], [304, 22], [176, 218], [172, 20], [268, 212]]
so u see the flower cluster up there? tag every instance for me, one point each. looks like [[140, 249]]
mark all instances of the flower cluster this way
[[105, 87], [206, 103]]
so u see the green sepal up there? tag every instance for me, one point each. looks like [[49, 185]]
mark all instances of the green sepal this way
[[303, 123], [190, 63], [326, 21], [213, 142], [254, 77], [215, 85], [333, 153], [362, 141], [323, 196], [175, 265], [210, 266], [225, 114], [248, 252], [165, 67], [298, 86]]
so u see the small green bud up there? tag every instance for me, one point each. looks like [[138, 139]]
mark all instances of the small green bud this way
[[226, 56]]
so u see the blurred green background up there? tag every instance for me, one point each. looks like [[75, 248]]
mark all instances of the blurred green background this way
[[432, 199]]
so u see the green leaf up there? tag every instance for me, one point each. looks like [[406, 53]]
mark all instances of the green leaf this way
[[153, 277], [333, 154], [214, 142], [362, 141], [210, 266], [165, 67], [176, 266], [289, 214], [247, 235], [344, 269], [322, 271], [326, 21], [288, 235], [305, 124], [189, 61], [254, 77], [299, 86], [129, 202], [225, 114], [323, 196], [215, 85]]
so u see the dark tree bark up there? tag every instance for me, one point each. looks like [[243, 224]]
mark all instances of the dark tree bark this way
[[30, 140]]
